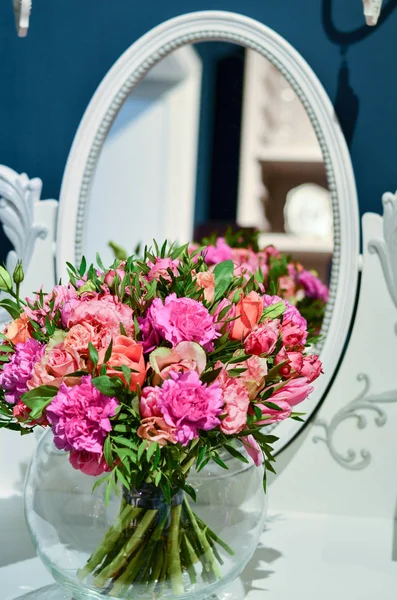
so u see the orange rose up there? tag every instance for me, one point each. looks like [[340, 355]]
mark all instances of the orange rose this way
[[206, 281], [126, 352], [249, 310], [18, 331]]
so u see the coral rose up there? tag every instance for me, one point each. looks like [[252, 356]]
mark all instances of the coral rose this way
[[18, 331], [206, 281], [249, 311], [55, 366], [155, 429], [126, 352]]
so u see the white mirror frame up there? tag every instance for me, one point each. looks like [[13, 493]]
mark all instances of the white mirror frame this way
[[127, 72]]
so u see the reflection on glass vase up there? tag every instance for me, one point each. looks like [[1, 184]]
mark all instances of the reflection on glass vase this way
[[138, 545]]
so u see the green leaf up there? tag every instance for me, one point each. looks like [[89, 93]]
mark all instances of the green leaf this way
[[273, 311], [223, 273], [210, 376], [11, 307], [99, 262], [93, 354], [141, 449], [257, 412], [191, 491], [107, 450], [201, 455], [127, 374], [83, 266], [99, 482], [235, 453], [122, 479], [151, 450], [157, 479], [166, 489], [108, 386], [124, 441], [219, 461], [41, 395], [122, 329], [125, 452], [108, 490], [273, 406]]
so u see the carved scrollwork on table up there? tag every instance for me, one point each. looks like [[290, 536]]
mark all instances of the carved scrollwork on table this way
[[18, 195], [386, 249], [365, 401]]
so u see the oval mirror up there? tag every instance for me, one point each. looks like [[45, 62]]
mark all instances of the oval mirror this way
[[215, 110]]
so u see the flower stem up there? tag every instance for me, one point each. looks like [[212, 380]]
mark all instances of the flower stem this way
[[129, 547], [207, 552], [174, 566]]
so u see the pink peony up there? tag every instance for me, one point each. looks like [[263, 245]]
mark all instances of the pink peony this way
[[161, 269], [312, 367], [263, 338], [218, 253], [236, 399], [90, 463], [249, 311], [293, 363], [313, 287], [56, 364], [182, 320], [293, 392], [189, 405], [79, 416], [206, 281], [16, 373], [155, 429], [253, 449]]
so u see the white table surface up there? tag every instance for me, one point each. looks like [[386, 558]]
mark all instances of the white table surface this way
[[300, 557]]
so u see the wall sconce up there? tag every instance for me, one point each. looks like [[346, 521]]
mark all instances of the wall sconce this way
[[372, 10], [22, 9]]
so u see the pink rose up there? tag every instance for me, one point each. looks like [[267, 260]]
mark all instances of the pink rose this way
[[312, 367], [110, 275], [293, 334], [160, 269], [293, 363], [21, 412], [253, 449], [206, 281], [254, 376], [287, 286], [155, 429], [186, 356], [90, 463], [263, 338], [272, 415], [236, 398], [293, 392], [126, 351], [148, 405], [249, 311], [55, 366]]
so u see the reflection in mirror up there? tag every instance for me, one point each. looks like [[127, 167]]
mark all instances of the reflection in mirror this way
[[214, 135]]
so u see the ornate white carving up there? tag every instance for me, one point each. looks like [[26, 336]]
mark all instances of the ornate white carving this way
[[386, 248], [353, 410], [18, 195]]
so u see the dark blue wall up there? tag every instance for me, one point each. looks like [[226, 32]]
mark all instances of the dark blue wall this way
[[47, 79]]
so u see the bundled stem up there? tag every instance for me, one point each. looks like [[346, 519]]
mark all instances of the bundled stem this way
[[151, 549]]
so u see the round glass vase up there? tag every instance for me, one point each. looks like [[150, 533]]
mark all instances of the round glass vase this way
[[138, 545]]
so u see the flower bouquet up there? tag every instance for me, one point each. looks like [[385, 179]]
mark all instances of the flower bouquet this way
[[280, 273], [145, 372]]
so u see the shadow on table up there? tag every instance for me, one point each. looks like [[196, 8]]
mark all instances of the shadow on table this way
[[260, 566]]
